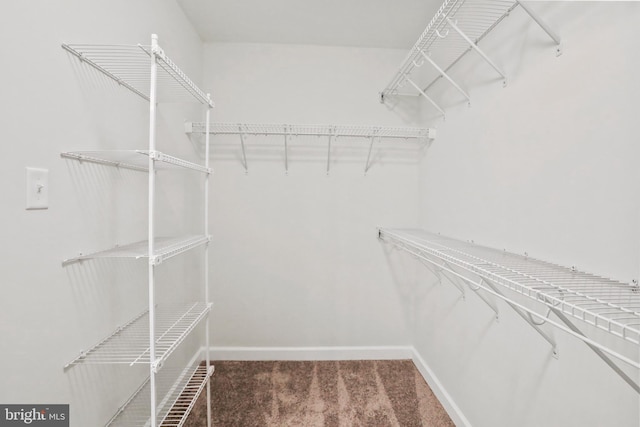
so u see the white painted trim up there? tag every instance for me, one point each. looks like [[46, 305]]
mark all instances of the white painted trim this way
[[312, 353], [441, 393]]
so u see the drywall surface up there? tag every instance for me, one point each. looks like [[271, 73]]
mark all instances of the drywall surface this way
[[296, 260], [548, 166], [52, 103]]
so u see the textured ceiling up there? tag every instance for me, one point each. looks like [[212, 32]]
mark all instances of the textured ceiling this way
[[365, 23]]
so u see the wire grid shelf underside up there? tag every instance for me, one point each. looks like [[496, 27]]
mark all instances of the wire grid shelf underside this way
[[129, 344], [311, 130], [606, 304], [131, 159], [130, 67], [165, 248], [177, 398], [475, 18]]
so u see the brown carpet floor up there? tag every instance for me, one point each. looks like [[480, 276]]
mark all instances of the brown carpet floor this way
[[328, 394]]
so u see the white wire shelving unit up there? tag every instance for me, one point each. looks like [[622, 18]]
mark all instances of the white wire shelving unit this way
[[129, 343], [164, 249], [151, 337], [370, 134], [456, 29], [181, 390], [571, 295]]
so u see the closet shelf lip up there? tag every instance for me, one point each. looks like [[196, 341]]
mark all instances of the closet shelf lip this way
[[165, 248], [129, 343], [475, 18], [132, 159], [129, 65], [176, 400], [605, 304], [346, 131]]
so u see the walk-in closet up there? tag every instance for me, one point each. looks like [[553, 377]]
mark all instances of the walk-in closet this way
[[325, 214]]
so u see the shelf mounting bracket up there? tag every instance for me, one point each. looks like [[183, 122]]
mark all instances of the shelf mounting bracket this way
[[426, 96], [286, 149], [332, 133], [244, 154], [446, 76], [477, 49], [521, 313], [554, 36], [372, 137], [596, 350]]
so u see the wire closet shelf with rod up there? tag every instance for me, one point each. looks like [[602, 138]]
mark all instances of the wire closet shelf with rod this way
[[151, 337], [603, 313]]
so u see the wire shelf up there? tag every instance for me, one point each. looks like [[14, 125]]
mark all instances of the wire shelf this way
[[132, 159], [312, 130], [165, 248], [475, 18], [179, 398], [129, 66], [129, 343], [603, 303]]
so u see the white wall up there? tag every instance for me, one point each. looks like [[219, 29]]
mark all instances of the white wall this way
[[50, 103], [547, 165], [296, 260]]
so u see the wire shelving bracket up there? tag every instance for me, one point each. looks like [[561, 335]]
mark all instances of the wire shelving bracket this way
[[456, 28], [608, 305]]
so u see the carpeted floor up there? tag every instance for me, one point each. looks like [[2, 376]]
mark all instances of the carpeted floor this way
[[329, 394]]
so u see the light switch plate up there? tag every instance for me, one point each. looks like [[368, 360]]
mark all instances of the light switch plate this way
[[37, 188]]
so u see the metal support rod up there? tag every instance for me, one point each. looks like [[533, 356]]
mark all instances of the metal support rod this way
[[286, 149], [152, 186], [206, 256], [331, 133], [522, 313], [540, 22], [597, 351], [426, 96], [445, 75], [474, 287], [475, 47], [244, 155], [367, 166]]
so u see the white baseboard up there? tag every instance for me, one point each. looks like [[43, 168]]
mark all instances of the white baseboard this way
[[311, 353], [441, 393]]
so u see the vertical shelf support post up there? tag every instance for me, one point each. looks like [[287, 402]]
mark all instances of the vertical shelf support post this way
[[477, 49], [445, 75], [152, 176], [206, 256]]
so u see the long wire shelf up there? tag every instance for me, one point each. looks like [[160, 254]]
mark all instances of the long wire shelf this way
[[456, 28], [129, 343], [179, 398], [608, 305], [346, 131], [129, 65], [165, 248], [132, 159]]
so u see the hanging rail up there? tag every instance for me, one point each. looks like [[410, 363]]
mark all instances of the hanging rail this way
[[607, 305], [454, 30]]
